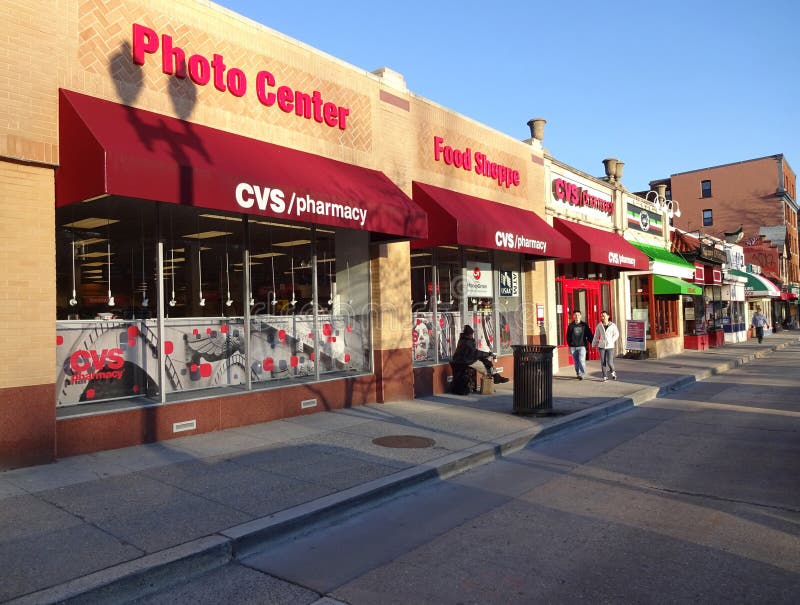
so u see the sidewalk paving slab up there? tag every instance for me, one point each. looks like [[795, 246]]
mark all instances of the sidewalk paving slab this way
[[115, 525]]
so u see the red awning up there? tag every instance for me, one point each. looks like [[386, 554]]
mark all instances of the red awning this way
[[601, 247], [112, 149], [456, 218]]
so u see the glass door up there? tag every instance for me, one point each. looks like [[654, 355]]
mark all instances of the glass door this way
[[584, 296]]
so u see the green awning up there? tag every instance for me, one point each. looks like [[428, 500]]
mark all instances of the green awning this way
[[756, 285], [662, 255], [674, 285]]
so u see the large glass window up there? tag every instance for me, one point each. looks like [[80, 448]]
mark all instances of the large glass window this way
[[452, 286], [306, 290]]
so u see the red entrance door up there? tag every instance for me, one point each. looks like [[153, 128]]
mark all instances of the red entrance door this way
[[590, 298]]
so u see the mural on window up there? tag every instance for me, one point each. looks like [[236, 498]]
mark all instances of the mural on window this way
[[107, 333]]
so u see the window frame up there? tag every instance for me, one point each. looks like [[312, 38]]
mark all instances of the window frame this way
[[705, 188], [708, 221]]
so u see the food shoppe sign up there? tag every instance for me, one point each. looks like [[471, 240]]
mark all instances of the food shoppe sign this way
[[475, 161], [203, 70]]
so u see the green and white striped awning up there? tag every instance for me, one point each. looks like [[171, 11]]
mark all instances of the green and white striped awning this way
[[664, 262], [757, 286]]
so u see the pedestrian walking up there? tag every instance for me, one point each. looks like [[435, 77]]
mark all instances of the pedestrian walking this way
[[606, 335], [759, 322], [579, 336]]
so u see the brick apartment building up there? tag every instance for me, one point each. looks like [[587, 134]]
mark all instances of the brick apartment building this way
[[753, 202]]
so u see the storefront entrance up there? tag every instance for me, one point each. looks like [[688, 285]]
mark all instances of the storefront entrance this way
[[590, 297]]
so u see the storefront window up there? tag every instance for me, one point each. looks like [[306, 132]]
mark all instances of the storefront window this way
[[479, 290], [510, 311], [450, 298], [299, 327], [713, 307], [423, 343], [449, 280]]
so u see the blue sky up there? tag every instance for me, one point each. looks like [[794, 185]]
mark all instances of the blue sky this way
[[663, 86]]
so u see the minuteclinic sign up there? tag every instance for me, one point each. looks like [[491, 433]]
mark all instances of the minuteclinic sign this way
[[176, 62]]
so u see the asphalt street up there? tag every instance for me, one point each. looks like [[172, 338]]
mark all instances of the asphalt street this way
[[691, 498]]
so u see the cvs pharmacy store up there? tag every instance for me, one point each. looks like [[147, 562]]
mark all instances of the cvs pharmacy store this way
[[223, 232]]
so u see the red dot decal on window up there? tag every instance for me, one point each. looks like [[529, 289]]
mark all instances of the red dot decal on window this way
[[90, 393], [169, 347], [293, 361], [131, 342], [507, 328], [327, 329], [268, 364], [419, 321], [208, 331], [310, 336], [282, 334], [193, 368], [136, 388], [349, 328], [195, 332], [441, 322], [330, 339], [133, 332], [224, 329], [59, 340], [205, 370], [347, 357]]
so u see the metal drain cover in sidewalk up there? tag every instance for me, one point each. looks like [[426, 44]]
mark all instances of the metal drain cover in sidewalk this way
[[403, 441]]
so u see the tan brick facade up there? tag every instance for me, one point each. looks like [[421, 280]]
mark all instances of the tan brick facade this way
[[86, 47]]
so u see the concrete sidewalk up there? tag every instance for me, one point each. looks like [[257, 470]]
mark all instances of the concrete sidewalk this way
[[108, 526]]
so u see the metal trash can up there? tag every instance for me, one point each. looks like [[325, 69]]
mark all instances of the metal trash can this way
[[533, 379]]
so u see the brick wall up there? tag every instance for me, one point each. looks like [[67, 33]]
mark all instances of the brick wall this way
[[27, 279]]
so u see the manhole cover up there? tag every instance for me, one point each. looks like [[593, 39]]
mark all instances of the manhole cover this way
[[403, 441]]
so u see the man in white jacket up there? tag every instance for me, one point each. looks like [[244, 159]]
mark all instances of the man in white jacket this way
[[606, 335]]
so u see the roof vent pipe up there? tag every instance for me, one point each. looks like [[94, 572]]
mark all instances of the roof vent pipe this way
[[611, 168], [537, 128]]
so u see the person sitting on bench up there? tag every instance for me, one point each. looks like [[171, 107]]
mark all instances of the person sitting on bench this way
[[467, 353]]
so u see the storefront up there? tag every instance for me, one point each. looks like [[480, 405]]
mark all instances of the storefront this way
[[226, 216], [655, 295], [759, 293], [589, 280], [473, 269], [734, 317], [233, 262], [660, 299]]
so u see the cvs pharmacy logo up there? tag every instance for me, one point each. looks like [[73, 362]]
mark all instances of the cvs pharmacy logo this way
[[84, 361], [504, 239], [247, 195]]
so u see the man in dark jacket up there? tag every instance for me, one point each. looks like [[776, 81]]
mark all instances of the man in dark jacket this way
[[467, 353], [579, 336]]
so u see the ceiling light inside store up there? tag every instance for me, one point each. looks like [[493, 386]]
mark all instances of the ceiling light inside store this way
[[420, 254], [94, 255], [207, 234], [265, 255], [90, 241], [222, 218], [91, 223], [281, 225], [297, 242], [94, 264]]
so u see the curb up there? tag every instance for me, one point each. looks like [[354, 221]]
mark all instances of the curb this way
[[157, 571]]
